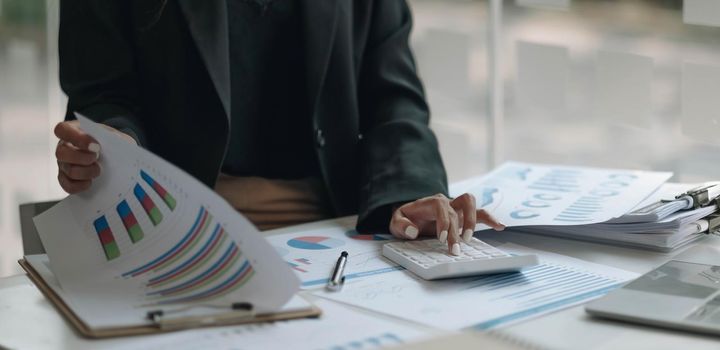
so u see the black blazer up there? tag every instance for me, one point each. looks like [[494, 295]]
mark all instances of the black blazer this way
[[159, 70]]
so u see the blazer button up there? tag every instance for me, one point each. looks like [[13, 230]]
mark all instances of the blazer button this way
[[319, 138]]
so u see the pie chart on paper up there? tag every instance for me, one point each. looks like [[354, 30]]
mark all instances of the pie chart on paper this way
[[315, 242]]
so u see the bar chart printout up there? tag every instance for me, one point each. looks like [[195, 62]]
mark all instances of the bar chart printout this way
[[147, 234], [129, 221], [205, 264], [485, 301]]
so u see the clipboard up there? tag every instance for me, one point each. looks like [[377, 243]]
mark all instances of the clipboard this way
[[225, 319]]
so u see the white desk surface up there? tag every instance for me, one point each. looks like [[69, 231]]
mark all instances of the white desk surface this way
[[28, 321]]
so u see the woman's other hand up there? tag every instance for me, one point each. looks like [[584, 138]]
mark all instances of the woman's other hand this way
[[451, 220], [77, 154]]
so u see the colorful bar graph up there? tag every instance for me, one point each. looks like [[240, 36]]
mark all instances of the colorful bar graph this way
[[130, 222], [198, 258], [177, 250], [164, 194], [107, 240], [241, 276], [304, 261], [207, 277], [296, 267], [147, 203]]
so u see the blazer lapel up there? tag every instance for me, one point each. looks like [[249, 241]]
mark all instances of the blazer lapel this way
[[319, 20], [208, 22]]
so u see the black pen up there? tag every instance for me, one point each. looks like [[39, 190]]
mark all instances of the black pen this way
[[337, 278]]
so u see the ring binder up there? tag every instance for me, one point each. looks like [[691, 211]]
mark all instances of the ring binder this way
[[704, 195], [671, 217]]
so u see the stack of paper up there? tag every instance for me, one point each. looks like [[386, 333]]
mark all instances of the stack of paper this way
[[606, 205], [653, 225], [524, 194]]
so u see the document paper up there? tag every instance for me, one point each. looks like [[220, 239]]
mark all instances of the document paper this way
[[339, 328], [148, 236], [313, 254], [488, 301], [523, 194]]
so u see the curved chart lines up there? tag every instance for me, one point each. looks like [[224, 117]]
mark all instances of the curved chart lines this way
[[204, 264]]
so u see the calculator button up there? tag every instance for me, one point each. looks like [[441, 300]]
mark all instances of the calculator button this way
[[439, 257], [413, 253], [430, 259], [416, 245], [422, 260]]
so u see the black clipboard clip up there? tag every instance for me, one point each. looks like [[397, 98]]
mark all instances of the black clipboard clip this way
[[238, 312]]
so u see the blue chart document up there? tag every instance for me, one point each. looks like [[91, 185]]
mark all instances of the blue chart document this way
[[312, 254], [522, 194], [485, 302]]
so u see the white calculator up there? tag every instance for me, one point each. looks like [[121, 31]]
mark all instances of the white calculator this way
[[431, 260]]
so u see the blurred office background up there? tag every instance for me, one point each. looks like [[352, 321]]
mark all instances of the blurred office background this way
[[612, 83]]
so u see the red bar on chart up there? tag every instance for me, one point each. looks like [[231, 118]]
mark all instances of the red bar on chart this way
[[130, 222], [147, 203], [164, 194], [107, 240]]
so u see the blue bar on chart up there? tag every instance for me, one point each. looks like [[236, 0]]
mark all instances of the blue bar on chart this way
[[160, 190], [147, 203], [107, 240], [130, 222]]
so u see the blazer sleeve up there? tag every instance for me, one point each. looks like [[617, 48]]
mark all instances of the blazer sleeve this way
[[401, 160], [96, 64]]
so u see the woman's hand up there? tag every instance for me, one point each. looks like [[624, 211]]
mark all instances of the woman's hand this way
[[77, 154], [449, 219]]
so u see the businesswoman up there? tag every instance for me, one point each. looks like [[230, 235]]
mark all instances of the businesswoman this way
[[291, 110]]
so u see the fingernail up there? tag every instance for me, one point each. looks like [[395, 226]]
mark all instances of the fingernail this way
[[467, 236], [443, 236], [95, 148], [455, 249], [500, 227], [411, 232]]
